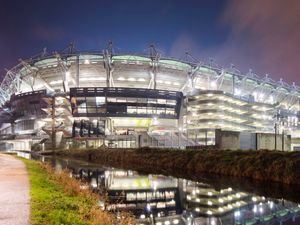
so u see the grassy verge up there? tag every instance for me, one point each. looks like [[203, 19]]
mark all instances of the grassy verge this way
[[56, 198]]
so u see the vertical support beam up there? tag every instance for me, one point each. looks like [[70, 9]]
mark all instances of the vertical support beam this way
[[74, 129], [282, 140], [107, 73], [18, 79], [53, 134], [12, 125], [77, 71], [111, 83], [233, 84], [108, 67], [107, 60], [154, 56], [81, 128], [154, 75], [275, 128]]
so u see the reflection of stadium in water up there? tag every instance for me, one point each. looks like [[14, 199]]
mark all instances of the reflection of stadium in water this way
[[162, 200]]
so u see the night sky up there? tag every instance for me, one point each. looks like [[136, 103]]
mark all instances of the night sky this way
[[260, 34]]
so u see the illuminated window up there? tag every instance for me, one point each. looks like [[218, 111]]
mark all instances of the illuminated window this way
[[142, 110], [141, 196], [151, 110], [161, 111], [92, 110], [171, 102], [90, 101], [161, 101], [121, 99], [152, 101], [131, 110], [111, 99], [170, 111], [82, 108], [142, 100], [100, 101], [132, 100]]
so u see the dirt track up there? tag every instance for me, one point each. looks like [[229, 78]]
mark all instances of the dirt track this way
[[14, 192]]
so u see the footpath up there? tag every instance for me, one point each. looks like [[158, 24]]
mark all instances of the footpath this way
[[14, 192]]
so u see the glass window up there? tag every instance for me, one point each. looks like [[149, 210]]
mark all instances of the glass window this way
[[141, 196], [152, 100], [82, 109], [121, 99], [130, 196], [170, 111], [142, 110], [142, 100], [91, 101], [161, 101], [101, 110], [161, 111], [171, 102], [169, 194], [151, 110], [100, 101], [149, 195], [159, 194], [131, 110], [132, 100], [92, 110], [80, 100], [110, 99], [82, 105]]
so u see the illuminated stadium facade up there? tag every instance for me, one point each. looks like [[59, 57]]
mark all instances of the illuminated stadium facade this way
[[94, 99]]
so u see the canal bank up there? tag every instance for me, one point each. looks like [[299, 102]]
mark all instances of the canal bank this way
[[260, 165]]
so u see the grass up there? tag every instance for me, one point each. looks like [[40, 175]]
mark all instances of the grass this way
[[58, 199]]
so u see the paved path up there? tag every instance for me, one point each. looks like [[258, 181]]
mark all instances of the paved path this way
[[14, 192]]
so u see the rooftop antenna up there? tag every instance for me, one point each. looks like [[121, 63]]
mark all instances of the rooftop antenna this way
[[154, 55], [71, 47], [44, 52], [212, 62], [110, 49], [189, 56]]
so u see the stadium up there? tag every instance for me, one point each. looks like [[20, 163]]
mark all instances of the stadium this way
[[93, 99]]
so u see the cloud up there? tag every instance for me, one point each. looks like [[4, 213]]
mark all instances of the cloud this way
[[186, 43], [49, 33], [264, 35]]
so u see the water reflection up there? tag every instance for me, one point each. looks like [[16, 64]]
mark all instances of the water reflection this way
[[163, 200]]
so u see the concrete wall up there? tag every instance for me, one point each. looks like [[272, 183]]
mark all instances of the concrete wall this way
[[247, 140], [227, 140], [232, 140], [295, 144], [267, 141]]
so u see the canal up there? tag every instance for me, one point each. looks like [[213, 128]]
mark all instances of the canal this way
[[166, 200]]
